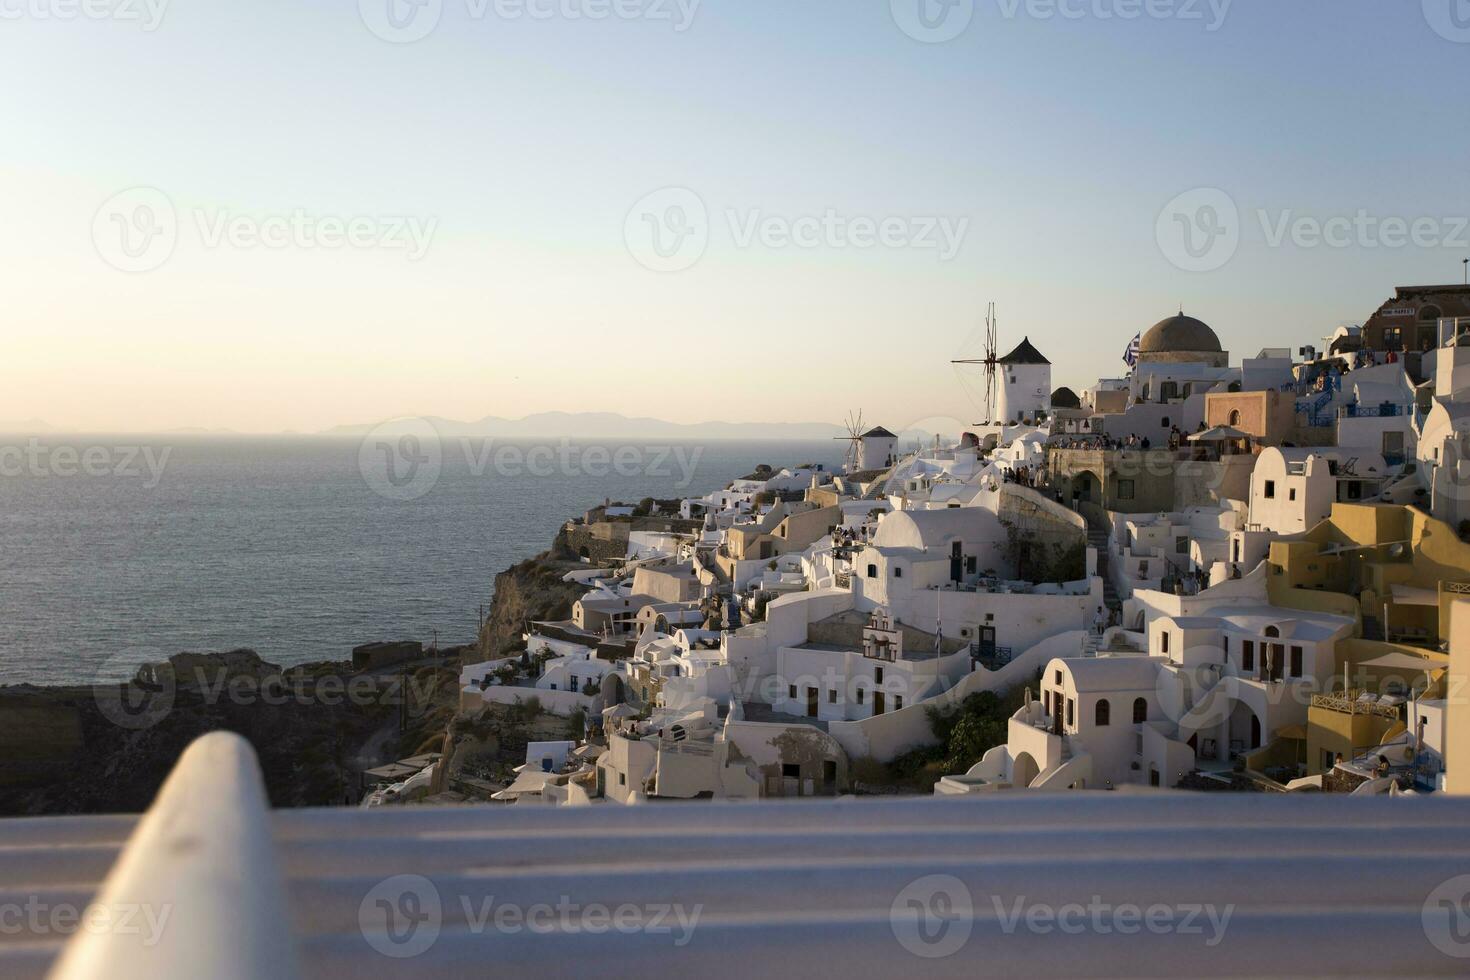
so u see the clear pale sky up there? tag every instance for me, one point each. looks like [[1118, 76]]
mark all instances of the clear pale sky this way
[[529, 141]]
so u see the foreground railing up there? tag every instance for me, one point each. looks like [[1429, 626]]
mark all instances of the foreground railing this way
[[203, 856]]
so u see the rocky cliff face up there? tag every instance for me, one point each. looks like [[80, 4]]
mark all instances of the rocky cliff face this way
[[108, 748], [532, 590]]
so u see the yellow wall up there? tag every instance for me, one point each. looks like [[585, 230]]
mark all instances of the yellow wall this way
[[1457, 710]]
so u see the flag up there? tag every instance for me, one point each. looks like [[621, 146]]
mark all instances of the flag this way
[[1130, 356]]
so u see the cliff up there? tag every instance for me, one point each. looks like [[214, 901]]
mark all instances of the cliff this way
[[108, 747], [532, 590]]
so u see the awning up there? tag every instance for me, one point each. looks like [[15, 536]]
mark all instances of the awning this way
[[1220, 433], [1402, 661], [1411, 595]]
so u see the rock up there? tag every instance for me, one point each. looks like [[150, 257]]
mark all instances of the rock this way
[[375, 656]]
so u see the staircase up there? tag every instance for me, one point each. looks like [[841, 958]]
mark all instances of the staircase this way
[[1097, 538]]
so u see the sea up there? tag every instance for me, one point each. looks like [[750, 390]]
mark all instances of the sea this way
[[119, 550]]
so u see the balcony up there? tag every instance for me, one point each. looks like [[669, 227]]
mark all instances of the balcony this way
[[1383, 411]]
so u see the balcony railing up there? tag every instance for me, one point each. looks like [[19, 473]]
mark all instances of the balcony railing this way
[[1349, 704], [1383, 411]]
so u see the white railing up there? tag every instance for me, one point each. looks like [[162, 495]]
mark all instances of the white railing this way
[[203, 856]]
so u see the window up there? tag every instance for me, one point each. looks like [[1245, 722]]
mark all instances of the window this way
[[897, 572], [1247, 655], [1163, 641], [832, 696], [1103, 715], [791, 692], [877, 675], [1057, 676], [859, 695], [897, 701], [622, 779], [1071, 710], [872, 571], [1291, 494], [1270, 491], [1181, 544], [1167, 393], [1140, 711], [1235, 417], [1296, 661], [791, 770], [1125, 489]]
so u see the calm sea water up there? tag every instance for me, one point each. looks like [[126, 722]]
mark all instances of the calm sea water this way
[[283, 546]]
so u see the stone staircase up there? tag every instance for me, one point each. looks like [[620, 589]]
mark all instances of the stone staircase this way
[[1097, 537]]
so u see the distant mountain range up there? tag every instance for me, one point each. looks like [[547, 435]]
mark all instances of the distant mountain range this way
[[555, 425], [604, 425]]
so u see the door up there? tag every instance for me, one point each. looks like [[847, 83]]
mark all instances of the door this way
[[956, 562], [878, 702], [987, 642], [811, 702]]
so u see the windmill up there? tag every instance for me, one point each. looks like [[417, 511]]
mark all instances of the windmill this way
[[989, 360], [854, 440]]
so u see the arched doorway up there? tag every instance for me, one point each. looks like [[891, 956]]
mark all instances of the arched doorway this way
[[1024, 771], [1245, 729], [1087, 488]]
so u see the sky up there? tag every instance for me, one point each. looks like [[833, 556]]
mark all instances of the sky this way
[[273, 215]]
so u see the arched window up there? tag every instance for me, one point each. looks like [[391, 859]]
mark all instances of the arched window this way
[[1140, 711], [1272, 631], [1235, 417], [1104, 712], [1429, 314]]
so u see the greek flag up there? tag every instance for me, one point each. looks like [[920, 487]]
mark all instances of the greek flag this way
[[1130, 356]]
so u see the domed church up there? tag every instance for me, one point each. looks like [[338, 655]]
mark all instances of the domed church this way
[[1182, 340]]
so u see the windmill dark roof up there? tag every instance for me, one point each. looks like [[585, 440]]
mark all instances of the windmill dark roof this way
[[1024, 354], [878, 433], [1065, 398]]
